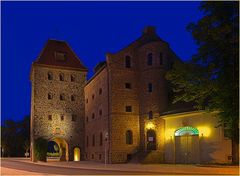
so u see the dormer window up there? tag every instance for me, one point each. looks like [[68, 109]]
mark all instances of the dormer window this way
[[60, 56], [149, 59]]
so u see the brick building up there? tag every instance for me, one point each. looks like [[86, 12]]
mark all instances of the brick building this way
[[127, 115]]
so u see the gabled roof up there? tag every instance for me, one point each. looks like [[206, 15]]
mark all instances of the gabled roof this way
[[52, 49]]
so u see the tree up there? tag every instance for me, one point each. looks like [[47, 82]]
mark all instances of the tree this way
[[211, 77], [40, 149]]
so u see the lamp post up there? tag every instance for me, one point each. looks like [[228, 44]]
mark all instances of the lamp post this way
[[105, 148]]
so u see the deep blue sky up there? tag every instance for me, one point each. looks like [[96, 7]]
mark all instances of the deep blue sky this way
[[91, 28]]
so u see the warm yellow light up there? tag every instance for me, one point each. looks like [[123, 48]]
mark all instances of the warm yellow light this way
[[204, 131], [169, 133], [76, 154], [150, 125]]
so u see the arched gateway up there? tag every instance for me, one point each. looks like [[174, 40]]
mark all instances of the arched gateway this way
[[57, 99]]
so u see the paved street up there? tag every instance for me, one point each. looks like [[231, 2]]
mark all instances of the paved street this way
[[21, 166]]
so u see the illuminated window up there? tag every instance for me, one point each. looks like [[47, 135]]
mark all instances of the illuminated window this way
[[72, 98], [128, 85], [61, 77], [50, 76], [128, 62], [150, 115], [187, 130], [150, 87], [101, 138], [73, 78], [50, 96], [100, 91], [62, 117], [149, 59], [129, 137], [161, 58], [50, 117], [128, 109]]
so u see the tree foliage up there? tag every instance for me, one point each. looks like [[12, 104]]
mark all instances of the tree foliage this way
[[40, 149], [211, 77]]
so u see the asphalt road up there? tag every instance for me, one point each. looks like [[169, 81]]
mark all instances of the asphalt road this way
[[14, 167]]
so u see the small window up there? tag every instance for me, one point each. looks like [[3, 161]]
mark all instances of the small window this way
[[60, 56], [62, 117], [50, 96], [128, 85], [100, 91], [93, 115], [149, 59], [100, 112], [129, 137], [74, 117], [128, 108], [61, 77], [93, 96], [92, 156], [149, 87], [73, 78], [62, 97], [50, 76], [72, 98], [150, 115], [50, 117], [87, 118], [93, 140], [100, 156], [128, 62], [87, 141], [101, 139], [86, 101], [171, 65], [161, 58]]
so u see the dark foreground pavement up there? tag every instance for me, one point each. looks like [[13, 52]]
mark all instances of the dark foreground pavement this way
[[18, 166]]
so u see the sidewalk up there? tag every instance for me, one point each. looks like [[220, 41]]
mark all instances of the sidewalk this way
[[151, 168]]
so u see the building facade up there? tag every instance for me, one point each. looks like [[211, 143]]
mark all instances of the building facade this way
[[123, 112]]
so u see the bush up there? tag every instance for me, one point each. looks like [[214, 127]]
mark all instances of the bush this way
[[40, 149], [52, 154]]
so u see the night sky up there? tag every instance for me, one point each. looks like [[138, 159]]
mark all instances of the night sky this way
[[91, 28]]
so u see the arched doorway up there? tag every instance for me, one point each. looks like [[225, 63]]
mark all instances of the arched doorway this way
[[187, 145], [76, 154], [151, 140], [60, 146]]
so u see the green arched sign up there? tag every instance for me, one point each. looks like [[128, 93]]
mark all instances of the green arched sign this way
[[187, 130]]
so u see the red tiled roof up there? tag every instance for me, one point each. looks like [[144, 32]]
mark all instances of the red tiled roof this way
[[47, 56]]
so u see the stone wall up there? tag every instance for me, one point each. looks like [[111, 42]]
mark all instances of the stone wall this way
[[68, 129]]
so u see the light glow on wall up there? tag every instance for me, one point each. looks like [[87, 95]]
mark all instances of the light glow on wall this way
[[204, 131], [169, 133], [150, 125], [76, 155]]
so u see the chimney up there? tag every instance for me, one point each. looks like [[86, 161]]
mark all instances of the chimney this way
[[149, 30]]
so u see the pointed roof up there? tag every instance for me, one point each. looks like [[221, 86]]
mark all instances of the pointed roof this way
[[59, 54]]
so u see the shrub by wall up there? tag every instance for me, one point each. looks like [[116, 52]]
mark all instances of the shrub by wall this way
[[40, 149]]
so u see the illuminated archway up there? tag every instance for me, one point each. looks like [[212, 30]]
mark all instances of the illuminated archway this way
[[63, 148], [187, 130], [76, 154]]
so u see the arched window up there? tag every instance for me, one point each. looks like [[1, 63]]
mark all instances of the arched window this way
[[129, 137], [149, 58], [101, 137], [150, 115], [50, 76], [128, 62], [61, 77]]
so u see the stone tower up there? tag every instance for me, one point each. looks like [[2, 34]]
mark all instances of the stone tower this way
[[57, 101]]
